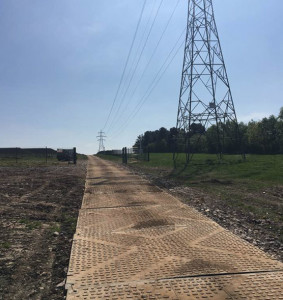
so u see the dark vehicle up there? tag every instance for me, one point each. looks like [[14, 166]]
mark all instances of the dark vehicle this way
[[67, 155]]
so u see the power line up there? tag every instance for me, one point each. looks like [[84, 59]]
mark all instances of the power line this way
[[145, 98], [149, 61], [136, 66], [141, 41], [153, 84], [149, 91], [126, 64], [155, 49]]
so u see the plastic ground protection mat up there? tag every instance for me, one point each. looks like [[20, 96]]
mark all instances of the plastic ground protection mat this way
[[142, 244], [105, 200]]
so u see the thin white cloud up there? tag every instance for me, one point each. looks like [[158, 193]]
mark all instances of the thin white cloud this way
[[93, 28], [256, 116]]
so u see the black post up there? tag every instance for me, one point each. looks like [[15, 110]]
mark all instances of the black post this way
[[147, 155], [46, 154], [16, 154], [124, 155], [75, 155]]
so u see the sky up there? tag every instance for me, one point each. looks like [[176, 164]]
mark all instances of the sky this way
[[62, 60]]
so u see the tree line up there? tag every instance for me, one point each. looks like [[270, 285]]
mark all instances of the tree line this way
[[257, 137]]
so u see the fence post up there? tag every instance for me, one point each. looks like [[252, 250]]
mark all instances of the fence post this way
[[16, 154], [147, 155], [124, 155], [46, 154], [75, 155]]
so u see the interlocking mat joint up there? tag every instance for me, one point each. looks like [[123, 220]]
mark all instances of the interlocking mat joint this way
[[135, 241]]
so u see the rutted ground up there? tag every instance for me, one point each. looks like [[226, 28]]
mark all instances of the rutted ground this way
[[39, 208]]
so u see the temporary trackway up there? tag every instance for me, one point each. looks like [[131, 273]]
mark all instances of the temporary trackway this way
[[135, 241]]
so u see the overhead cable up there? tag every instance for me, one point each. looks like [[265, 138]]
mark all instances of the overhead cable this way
[[149, 61], [126, 64], [153, 84], [136, 66]]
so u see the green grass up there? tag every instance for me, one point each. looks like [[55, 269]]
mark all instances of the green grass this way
[[115, 158], [5, 245], [56, 227], [207, 167], [81, 156], [69, 223], [30, 225]]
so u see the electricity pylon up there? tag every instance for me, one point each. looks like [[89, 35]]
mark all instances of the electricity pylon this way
[[205, 96], [101, 138]]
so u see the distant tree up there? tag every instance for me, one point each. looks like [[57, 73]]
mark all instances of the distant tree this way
[[212, 139], [262, 137], [197, 128], [198, 143], [139, 140], [253, 137], [243, 138], [232, 135], [163, 133], [269, 135], [171, 142], [279, 130]]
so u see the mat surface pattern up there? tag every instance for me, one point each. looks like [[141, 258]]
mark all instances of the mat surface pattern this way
[[135, 241]]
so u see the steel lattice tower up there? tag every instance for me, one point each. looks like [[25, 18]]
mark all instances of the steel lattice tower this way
[[205, 95], [100, 139]]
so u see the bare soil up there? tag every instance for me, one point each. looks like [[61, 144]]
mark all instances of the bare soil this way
[[39, 208]]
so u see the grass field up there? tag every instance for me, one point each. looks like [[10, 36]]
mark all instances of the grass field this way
[[206, 167]]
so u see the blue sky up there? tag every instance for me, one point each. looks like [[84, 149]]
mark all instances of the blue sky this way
[[61, 62]]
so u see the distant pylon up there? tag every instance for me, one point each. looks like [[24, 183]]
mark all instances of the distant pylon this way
[[205, 96], [101, 139]]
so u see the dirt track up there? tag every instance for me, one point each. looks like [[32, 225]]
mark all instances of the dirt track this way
[[135, 241]]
